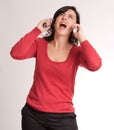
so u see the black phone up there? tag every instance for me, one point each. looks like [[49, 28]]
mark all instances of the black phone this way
[[44, 25]]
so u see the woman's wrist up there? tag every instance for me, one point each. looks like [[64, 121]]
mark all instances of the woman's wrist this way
[[82, 39]]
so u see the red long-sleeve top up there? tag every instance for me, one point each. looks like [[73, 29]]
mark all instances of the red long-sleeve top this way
[[53, 85]]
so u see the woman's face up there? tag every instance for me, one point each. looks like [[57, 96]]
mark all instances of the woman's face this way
[[64, 23]]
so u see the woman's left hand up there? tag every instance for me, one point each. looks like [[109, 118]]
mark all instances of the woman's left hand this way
[[78, 33]]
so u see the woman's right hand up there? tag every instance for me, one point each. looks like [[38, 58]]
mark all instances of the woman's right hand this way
[[47, 21]]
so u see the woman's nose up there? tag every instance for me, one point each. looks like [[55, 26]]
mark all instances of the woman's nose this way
[[64, 16]]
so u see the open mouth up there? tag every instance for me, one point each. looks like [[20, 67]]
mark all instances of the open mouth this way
[[63, 25]]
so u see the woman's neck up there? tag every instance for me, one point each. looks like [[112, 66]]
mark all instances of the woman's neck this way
[[60, 42]]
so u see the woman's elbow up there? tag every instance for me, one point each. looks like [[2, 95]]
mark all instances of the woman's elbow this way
[[15, 56], [95, 67]]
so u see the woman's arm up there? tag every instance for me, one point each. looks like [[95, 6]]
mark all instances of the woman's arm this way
[[26, 46], [88, 57]]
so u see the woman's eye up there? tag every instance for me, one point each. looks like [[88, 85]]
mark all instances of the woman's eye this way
[[70, 16]]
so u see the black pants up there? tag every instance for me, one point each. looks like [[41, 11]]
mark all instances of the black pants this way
[[37, 120]]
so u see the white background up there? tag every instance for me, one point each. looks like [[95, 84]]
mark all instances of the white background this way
[[94, 91]]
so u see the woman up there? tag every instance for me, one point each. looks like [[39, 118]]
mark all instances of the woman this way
[[49, 103]]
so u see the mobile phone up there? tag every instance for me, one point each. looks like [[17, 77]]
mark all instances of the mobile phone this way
[[75, 30], [44, 25], [45, 33]]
